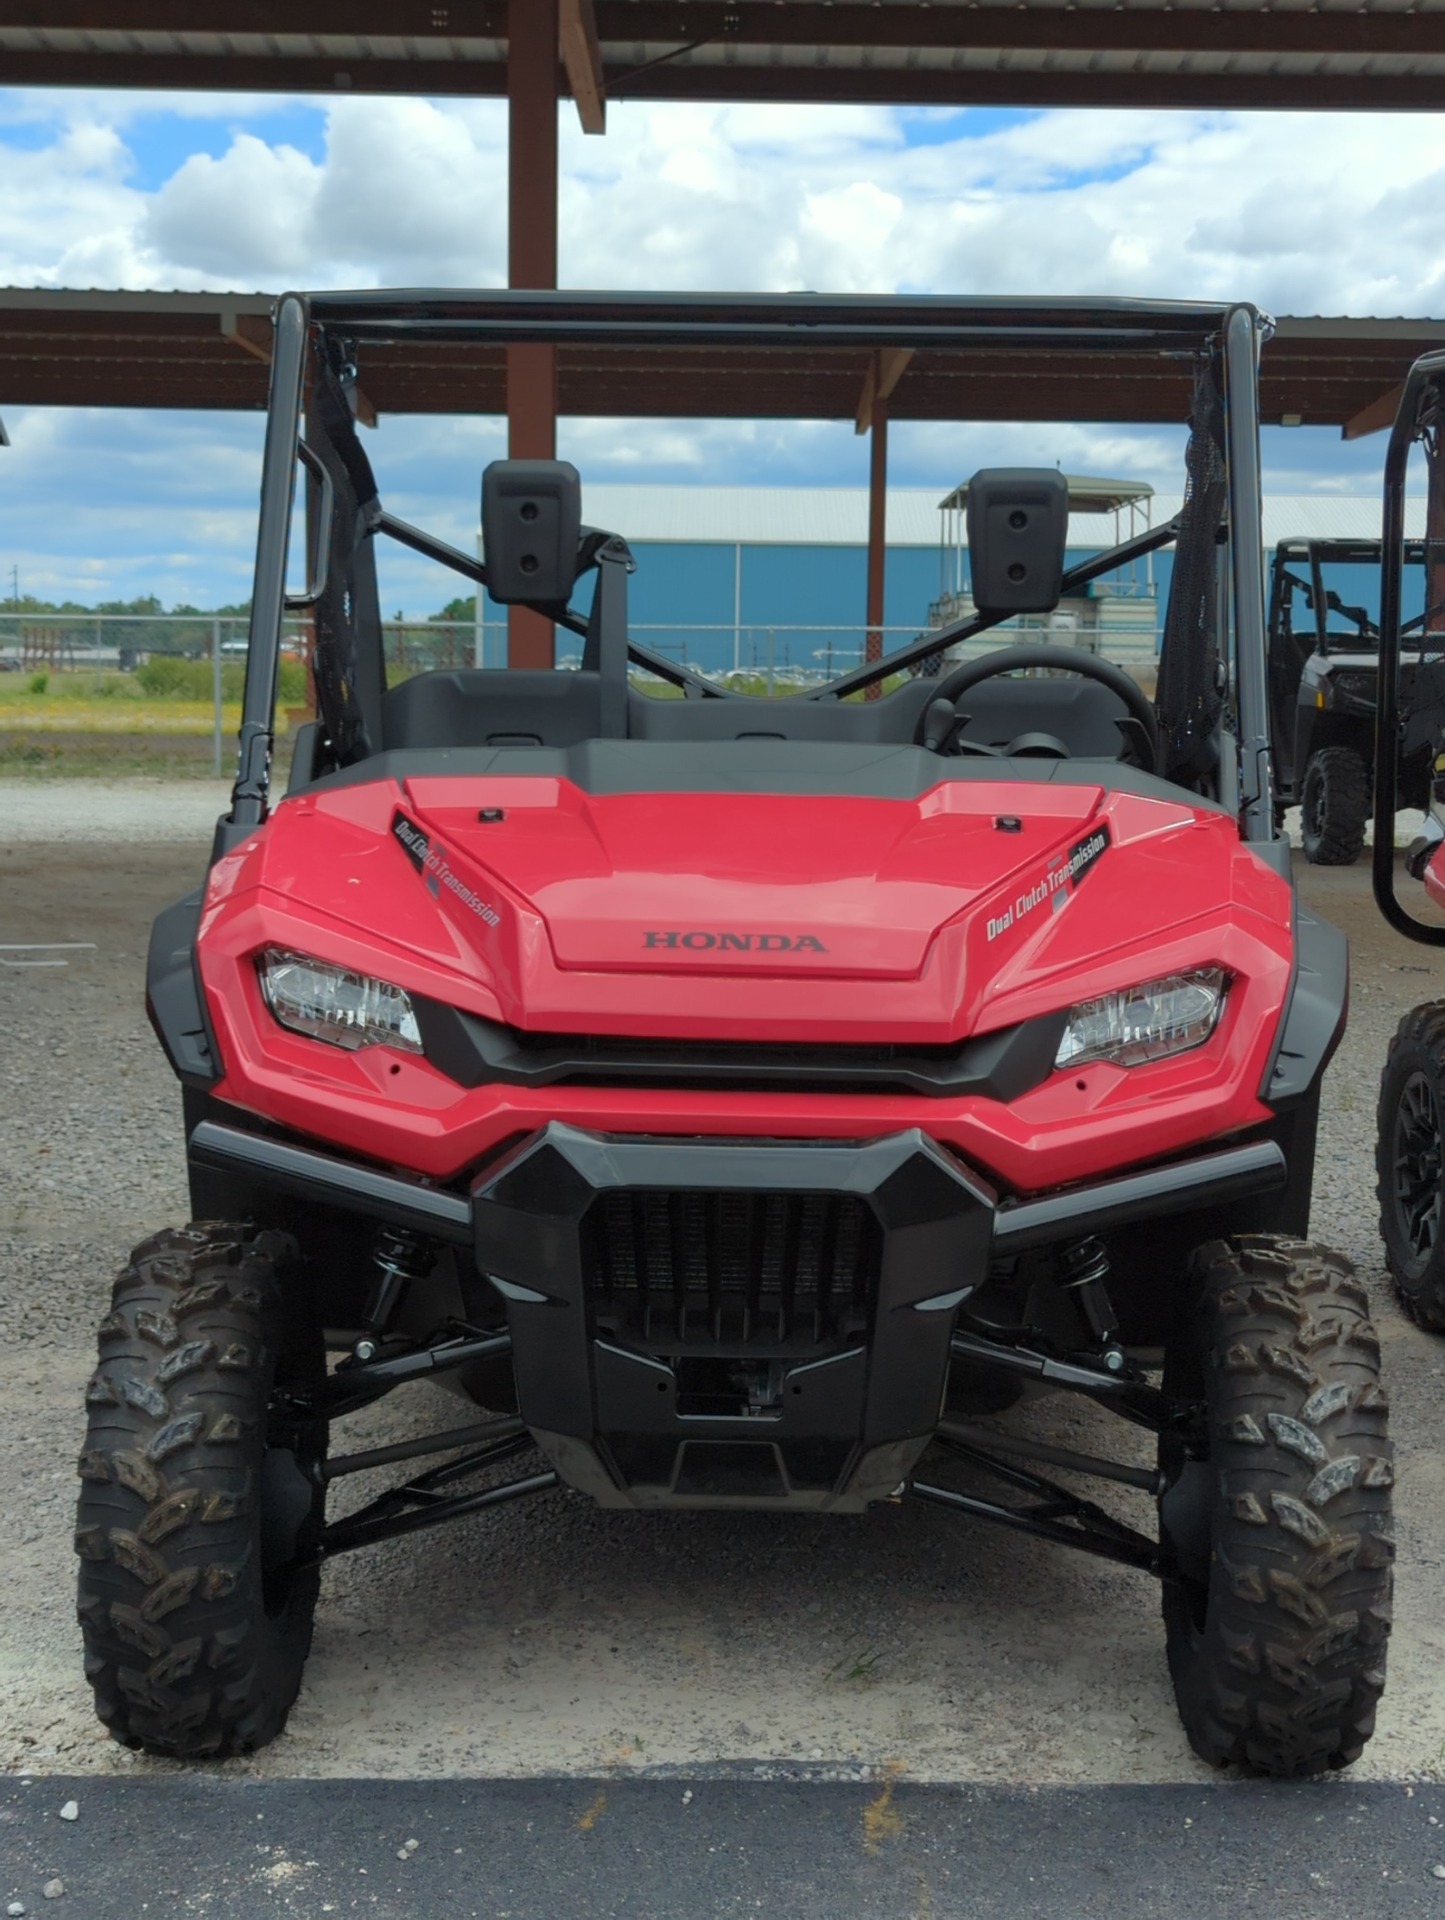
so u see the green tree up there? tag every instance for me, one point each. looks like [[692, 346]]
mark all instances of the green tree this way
[[458, 610]]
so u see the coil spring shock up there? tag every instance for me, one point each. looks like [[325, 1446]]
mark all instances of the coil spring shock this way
[[400, 1256], [1085, 1275]]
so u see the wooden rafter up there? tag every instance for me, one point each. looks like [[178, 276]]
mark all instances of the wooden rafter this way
[[251, 332], [1374, 418], [582, 58], [885, 369]]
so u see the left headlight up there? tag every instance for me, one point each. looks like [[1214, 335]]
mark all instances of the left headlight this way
[[1145, 1023], [329, 1003]]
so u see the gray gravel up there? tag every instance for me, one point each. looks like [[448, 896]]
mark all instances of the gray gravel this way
[[554, 1636]]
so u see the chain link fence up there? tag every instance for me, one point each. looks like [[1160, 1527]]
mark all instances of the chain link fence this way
[[170, 675]]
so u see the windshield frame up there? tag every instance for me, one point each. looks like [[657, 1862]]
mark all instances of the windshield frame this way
[[344, 324]]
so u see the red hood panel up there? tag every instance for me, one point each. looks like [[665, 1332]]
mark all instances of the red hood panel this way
[[708, 883], [746, 916]]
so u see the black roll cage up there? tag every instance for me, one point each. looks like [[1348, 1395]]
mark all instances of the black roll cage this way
[[1321, 600], [1168, 329], [1421, 412]]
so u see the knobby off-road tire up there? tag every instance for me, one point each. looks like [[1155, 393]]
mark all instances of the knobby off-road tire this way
[[1278, 1545], [1410, 1164], [194, 1496], [1334, 806]]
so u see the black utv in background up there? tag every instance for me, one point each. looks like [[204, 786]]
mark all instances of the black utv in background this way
[[1324, 690]]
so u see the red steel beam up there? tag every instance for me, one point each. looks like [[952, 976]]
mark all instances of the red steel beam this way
[[877, 532], [992, 85], [623, 26], [532, 56]]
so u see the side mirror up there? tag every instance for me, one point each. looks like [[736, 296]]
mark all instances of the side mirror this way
[[531, 520], [1018, 525]]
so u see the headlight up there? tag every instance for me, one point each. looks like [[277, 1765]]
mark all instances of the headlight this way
[[330, 1003], [1145, 1023]]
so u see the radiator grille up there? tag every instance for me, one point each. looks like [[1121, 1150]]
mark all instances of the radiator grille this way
[[750, 1272]]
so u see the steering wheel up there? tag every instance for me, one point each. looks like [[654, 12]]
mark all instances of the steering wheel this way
[[1063, 659]]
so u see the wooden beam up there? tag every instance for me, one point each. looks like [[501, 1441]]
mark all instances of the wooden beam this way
[[249, 331], [1376, 417], [885, 369], [790, 82], [582, 58], [990, 84], [807, 26], [802, 28]]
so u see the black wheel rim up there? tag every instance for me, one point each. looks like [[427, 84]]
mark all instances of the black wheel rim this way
[[1418, 1162], [1314, 805]]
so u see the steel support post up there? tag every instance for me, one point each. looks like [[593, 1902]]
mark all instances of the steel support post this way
[[877, 536], [1435, 532], [532, 58]]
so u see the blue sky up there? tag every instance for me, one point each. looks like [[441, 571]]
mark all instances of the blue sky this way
[[206, 191]]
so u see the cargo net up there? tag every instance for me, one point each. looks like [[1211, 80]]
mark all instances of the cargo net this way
[[1420, 688], [346, 655], [1189, 697]]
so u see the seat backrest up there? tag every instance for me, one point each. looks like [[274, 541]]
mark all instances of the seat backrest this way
[[493, 707], [889, 722]]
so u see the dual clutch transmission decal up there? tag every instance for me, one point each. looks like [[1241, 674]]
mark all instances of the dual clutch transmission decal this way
[[1056, 885], [429, 858]]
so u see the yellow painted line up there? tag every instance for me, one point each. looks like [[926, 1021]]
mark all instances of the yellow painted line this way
[[587, 1821], [881, 1819]]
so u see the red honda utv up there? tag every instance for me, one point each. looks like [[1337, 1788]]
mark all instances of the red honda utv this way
[[743, 1099]]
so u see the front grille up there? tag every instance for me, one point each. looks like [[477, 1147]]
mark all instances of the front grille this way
[[743, 1272]]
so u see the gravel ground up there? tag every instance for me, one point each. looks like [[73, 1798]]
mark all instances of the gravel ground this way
[[121, 813], [552, 1636]]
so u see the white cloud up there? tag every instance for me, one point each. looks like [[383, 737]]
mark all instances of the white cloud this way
[[241, 220], [1308, 214], [1317, 213]]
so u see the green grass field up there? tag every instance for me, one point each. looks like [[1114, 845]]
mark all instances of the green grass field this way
[[160, 722], [108, 725]]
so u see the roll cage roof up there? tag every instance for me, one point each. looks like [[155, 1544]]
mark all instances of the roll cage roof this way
[[342, 331], [695, 319]]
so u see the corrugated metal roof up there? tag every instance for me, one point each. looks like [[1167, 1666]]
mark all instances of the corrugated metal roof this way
[[1329, 54], [838, 516]]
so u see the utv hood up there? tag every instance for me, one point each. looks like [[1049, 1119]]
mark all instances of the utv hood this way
[[749, 883], [744, 914]]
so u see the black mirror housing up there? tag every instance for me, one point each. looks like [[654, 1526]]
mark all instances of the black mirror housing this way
[[1018, 527], [531, 521]]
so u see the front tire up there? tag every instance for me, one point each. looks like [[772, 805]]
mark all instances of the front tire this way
[[1334, 807], [1275, 1515], [200, 1497], [1410, 1164]]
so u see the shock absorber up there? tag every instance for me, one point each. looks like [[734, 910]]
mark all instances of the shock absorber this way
[[400, 1255], [1085, 1273]]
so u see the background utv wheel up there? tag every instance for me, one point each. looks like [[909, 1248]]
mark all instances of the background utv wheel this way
[[1275, 1518], [198, 1496], [1410, 1163], [1334, 806]]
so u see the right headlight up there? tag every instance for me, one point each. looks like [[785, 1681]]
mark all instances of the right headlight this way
[[1144, 1023]]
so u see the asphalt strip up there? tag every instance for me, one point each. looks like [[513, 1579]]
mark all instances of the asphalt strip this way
[[694, 1847]]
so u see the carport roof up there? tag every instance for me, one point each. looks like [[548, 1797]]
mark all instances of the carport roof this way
[[1331, 54], [212, 351]]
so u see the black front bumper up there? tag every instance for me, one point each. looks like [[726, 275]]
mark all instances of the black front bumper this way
[[713, 1323], [734, 1323]]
